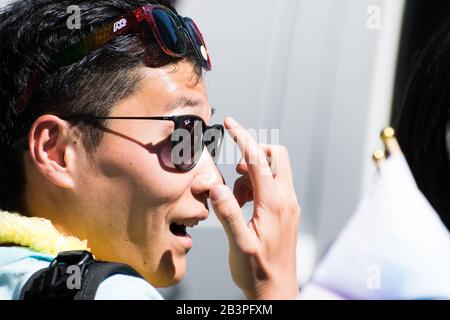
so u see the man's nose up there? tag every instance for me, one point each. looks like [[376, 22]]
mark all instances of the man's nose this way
[[206, 174]]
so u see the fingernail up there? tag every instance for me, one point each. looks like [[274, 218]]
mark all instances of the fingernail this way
[[219, 192]]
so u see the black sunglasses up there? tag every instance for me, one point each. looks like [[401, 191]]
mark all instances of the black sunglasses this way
[[188, 140]]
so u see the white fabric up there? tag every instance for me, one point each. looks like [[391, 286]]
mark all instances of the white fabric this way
[[314, 292], [394, 247]]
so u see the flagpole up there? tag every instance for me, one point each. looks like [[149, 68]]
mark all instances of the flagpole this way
[[390, 142]]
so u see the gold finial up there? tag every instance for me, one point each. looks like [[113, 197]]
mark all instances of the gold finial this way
[[390, 142], [379, 156], [387, 133]]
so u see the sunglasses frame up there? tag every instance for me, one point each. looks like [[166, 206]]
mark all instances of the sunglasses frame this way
[[179, 122], [119, 26], [146, 13], [22, 144]]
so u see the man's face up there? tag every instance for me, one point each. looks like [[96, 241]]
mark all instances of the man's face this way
[[129, 197]]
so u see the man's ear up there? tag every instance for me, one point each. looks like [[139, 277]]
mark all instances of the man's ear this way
[[52, 151]]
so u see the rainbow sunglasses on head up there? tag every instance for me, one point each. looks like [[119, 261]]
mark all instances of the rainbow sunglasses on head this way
[[173, 33]]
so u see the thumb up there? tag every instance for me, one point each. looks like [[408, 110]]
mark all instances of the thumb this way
[[230, 215]]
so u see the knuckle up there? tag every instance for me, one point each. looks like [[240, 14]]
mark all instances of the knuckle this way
[[295, 209], [231, 216], [279, 152], [278, 204], [291, 214], [279, 208], [249, 250], [291, 210]]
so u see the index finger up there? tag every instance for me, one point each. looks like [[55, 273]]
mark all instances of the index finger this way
[[258, 167]]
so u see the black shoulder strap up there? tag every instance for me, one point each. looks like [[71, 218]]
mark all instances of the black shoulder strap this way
[[99, 271], [52, 283]]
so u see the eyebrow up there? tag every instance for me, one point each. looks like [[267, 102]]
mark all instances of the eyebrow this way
[[184, 101]]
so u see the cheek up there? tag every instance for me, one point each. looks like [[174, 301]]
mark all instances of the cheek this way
[[139, 170], [130, 180]]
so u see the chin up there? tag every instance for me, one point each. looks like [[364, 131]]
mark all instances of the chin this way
[[171, 271], [177, 279]]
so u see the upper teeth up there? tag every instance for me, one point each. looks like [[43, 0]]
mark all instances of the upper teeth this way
[[191, 224]]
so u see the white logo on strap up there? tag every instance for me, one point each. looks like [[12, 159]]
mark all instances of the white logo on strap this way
[[120, 25]]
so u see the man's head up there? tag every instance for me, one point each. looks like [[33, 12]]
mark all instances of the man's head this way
[[104, 182]]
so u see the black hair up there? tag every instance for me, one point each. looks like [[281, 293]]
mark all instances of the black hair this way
[[423, 126], [33, 31]]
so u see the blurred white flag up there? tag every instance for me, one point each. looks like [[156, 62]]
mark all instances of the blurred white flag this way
[[394, 247]]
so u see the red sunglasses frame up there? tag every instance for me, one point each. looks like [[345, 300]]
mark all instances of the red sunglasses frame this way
[[120, 26], [145, 13]]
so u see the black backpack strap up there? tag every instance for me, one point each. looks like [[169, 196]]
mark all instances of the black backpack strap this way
[[52, 283], [99, 271]]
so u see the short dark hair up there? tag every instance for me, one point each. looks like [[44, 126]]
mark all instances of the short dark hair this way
[[423, 124], [31, 32]]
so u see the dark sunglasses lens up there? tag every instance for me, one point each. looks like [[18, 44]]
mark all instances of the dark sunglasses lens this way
[[171, 37], [188, 143], [213, 140]]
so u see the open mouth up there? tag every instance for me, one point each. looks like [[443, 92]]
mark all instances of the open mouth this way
[[178, 229]]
